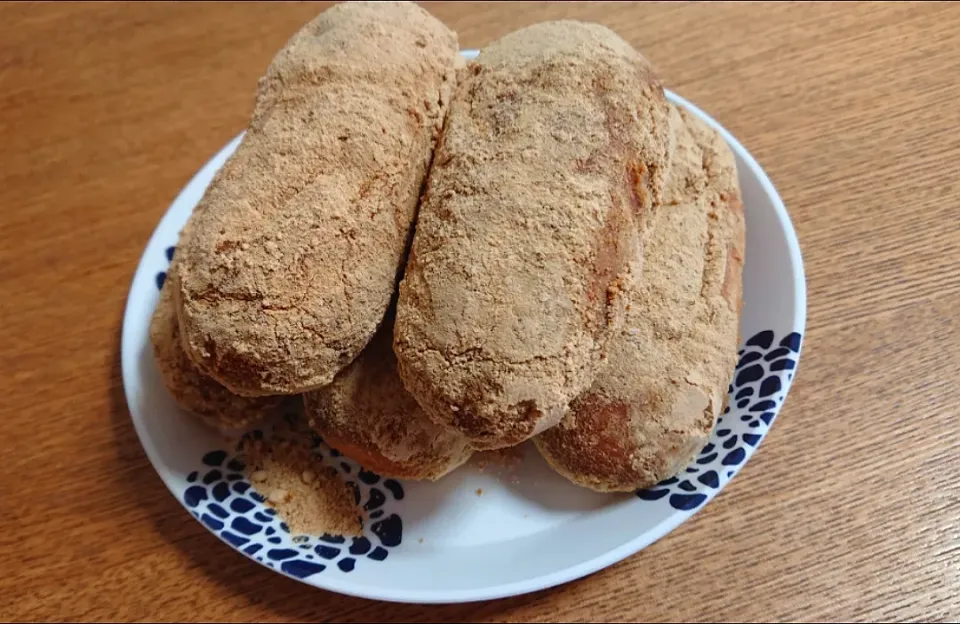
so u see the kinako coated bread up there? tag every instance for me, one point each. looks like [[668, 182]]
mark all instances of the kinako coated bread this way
[[550, 166], [291, 258], [654, 405], [193, 391], [367, 415]]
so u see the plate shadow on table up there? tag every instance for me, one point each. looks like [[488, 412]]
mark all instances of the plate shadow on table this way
[[286, 598]]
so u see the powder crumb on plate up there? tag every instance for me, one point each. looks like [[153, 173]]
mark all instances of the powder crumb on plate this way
[[503, 459], [310, 497], [479, 491], [510, 457]]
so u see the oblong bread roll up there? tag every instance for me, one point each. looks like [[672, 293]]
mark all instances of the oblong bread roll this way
[[653, 407], [195, 392], [368, 415], [552, 159], [291, 259]]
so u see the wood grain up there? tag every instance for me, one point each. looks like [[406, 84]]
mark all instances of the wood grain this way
[[849, 510]]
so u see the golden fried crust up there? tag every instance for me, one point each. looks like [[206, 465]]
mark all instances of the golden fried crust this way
[[195, 392], [292, 256], [366, 414], [653, 407], [551, 161]]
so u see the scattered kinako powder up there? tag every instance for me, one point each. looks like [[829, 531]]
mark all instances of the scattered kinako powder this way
[[508, 458], [503, 462], [310, 497]]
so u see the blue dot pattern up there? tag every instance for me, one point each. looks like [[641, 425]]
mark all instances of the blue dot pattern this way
[[220, 496], [760, 383]]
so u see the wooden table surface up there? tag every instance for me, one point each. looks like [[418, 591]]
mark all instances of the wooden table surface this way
[[849, 510]]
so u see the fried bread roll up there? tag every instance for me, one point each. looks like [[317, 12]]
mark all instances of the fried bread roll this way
[[292, 257], [653, 407], [368, 415], [551, 163], [195, 392]]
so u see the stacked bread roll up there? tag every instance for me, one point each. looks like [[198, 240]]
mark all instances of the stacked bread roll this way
[[443, 257]]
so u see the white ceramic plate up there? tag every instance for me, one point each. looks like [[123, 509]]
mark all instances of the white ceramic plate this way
[[530, 529]]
